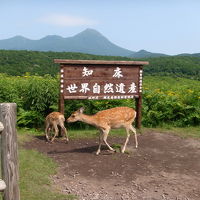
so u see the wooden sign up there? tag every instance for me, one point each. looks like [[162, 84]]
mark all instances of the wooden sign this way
[[96, 79]]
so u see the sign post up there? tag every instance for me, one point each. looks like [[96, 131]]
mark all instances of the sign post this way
[[98, 80]]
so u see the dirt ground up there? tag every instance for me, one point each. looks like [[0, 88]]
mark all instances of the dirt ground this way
[[163, 167]]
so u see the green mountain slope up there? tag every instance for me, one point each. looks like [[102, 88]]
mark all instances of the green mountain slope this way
[[41, 63]]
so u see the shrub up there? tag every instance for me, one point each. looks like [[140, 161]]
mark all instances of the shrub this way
[[165, 100]]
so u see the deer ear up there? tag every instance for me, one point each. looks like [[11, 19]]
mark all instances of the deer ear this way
[[81, 109]]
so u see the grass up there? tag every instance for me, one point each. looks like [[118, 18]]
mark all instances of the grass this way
[[35, 183], [35, 171], [186, 132], [117, 147]]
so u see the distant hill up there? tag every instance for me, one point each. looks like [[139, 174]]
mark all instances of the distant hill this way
[[89, 41], [146, 54], [18, 63], [188, 54]]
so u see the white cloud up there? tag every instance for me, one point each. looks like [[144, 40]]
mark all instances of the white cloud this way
[[66, 20]]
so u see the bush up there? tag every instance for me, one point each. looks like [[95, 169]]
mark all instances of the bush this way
[[171, 101], [165, 100], [35, 96]]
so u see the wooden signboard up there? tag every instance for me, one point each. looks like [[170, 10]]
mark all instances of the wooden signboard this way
[[97, 79]]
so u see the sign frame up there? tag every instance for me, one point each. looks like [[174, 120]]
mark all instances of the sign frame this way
[[79, 77]]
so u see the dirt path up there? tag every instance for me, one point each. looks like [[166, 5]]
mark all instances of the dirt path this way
[[163, 167]]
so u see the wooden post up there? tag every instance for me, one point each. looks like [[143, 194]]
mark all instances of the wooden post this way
[[9, 151], [61, 108], [2, 183], [138, 102], [61, 104]]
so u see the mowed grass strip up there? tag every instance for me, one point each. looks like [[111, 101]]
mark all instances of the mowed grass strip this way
[[35, 170]]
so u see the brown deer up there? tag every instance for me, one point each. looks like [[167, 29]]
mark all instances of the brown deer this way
[[52, 121], [105, 120]]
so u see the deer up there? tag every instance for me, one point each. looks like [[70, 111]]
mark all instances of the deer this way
[[52, 121], [105, 120]]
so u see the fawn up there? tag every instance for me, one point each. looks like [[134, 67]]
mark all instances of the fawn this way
[[105, 120], [51, 122]]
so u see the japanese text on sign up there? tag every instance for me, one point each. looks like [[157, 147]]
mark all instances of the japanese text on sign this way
[[107, 83]]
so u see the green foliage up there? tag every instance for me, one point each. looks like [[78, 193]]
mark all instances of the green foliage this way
[[35, 97], [166, 100], [29, 118], [171, 100], [176, 66], [41, 93], [17, 63]]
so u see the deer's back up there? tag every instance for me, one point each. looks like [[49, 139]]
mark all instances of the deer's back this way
[[116, 117], [55, 117]]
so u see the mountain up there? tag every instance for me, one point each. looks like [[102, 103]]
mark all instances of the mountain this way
[[146, 54], [15, 43], [89, 41]]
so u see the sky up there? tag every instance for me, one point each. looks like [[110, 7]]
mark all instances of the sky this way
[[160, 26]]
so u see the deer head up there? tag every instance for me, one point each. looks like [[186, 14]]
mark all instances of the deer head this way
[[76, 116]]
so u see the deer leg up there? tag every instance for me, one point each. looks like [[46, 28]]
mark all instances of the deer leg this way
[[105, 135], [47, 132], [127, 139], [134, 131], [65, 131], [56, 132], [100, 142], [66, 134]]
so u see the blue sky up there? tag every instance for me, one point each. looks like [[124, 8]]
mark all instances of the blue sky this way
[[162, 26]]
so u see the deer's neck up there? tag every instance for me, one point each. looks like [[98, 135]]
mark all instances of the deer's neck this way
[[89, 119]]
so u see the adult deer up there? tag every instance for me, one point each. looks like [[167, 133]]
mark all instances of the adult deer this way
[[105, 120], [52, 121]]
